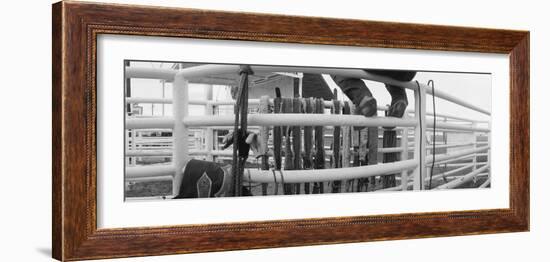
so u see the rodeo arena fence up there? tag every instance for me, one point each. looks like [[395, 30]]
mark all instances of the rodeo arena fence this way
[[294, 133]]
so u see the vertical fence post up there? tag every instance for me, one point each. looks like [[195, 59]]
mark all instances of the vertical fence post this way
[[489, 153], [264, 136], [419, 172], [209, 110], [474, 141], [474, 160], [346, 146], [404, 156], [179, 133]]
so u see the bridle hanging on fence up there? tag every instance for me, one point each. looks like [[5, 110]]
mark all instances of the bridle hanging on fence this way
[[240, 150]]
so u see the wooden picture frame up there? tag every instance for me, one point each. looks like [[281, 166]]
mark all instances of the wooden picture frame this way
[[76, 26]]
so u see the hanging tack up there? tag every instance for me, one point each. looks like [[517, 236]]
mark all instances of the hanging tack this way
[[289, 155], [336, 185], [297, 140], [308, 141], [264, 137], [363, 183], [372, 155], [346, 146], [277, 135], [389, 139], [318, 187]]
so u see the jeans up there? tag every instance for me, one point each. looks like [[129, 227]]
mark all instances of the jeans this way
[[313, 85]]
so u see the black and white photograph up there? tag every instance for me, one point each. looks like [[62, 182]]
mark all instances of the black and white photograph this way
[[206, 130]]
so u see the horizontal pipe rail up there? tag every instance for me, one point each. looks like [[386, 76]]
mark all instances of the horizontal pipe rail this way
[[136, 153], [149, 171], [453, 155], [325, 175], [427, 179], [194, 72], [485, 184], [450, 162], [459, 181], [149, 179], [301, 120], [449, 146], [149, 123], [448, 126]]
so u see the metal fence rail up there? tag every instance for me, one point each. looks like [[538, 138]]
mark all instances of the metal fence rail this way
[[415, 121]]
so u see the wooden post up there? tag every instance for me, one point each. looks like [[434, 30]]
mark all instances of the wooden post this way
[[336, 185], [318, 187], [264, 136], [297, 140], [308, 141], [289, 156], [277, 136]]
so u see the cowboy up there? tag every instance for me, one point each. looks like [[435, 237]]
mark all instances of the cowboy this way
[[313, 85]]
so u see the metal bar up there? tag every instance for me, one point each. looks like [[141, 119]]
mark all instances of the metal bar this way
[[319, 165], [150, 73], [297, 136], [264, 137], [447, 126], [277, 140], [210, 70], [149, 123], [449, 156], [301, 120], [149, 179], [459, 181], [486, 183], [404, 156], [289, 155], [446, 162], [439, 146], [209, 111], [404, 183], [346, 146], [325, 175], [419, 138], [149, 171], [180, 94], [308, 142], [336, 185], [133, 153]]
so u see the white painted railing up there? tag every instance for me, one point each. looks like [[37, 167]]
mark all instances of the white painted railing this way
[[415, 120]]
